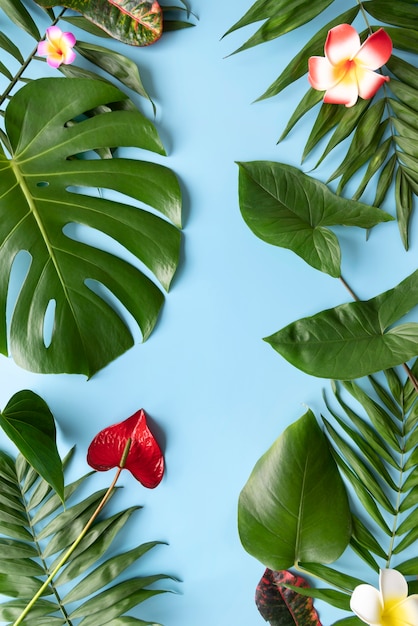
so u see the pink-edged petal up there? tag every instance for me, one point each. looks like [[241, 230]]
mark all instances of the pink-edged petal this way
[[345, 92], [366, 604], [53, 33], [369, 82], [342, 43], [54, 60], [376, 50], [393, 585], [322, 75], [68, 39], [44, 48], [68, 56]]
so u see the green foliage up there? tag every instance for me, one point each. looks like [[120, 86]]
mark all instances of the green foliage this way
[[382, 134], [36, 206], [354, 339], [36, 529], [28, 422], [284, 515], [287, 208]]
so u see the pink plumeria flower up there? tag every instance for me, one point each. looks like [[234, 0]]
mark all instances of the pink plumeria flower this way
[[347, 70], [389, 605], [57, 47]]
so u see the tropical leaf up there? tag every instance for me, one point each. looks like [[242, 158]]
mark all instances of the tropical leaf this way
[[281, 606], [380, 143], [26, 563], [37, 207], [356, 339], [135, 22], [287, 208], [281, 526], [29, 423]]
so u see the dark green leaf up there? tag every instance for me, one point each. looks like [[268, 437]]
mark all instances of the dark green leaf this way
[[29, 423], [396, 13], [19, 15], [273, 520], [355, 339], [36, 207], [285, 207]]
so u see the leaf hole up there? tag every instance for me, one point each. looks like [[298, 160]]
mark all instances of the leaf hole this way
[[18, 273], [49, 322], [42, 183]]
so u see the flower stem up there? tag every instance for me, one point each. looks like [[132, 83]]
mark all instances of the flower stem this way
[[81, 536]]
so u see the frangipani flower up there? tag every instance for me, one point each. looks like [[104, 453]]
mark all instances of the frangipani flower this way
[[347, 70], [387, 606], [57, 47], [145, 459]]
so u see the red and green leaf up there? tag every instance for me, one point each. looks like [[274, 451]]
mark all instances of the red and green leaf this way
[[281, 606], [135, 22]]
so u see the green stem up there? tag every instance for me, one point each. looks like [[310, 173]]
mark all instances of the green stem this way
[[81, 536], [23, 67], [364, 14]]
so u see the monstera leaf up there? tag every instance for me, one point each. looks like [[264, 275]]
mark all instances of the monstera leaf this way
[[136, 22], [44, 190]]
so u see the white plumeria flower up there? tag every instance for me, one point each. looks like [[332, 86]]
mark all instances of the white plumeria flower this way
[[389, 605]]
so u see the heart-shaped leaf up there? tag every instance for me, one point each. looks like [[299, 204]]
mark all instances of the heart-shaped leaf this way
[[135, 22], [285, 207], [69, 278], [355, 339], [284, 515], [281, 606], [29, 423]]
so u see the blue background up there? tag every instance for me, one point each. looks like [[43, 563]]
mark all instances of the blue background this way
[[217, 394]]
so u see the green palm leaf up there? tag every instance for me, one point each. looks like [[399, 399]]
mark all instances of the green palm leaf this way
[[37, 206], [26, 563], [380, 144]]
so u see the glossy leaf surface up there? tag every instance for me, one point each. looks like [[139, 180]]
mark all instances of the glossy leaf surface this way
[[283, 512], [281, 606], [356, 339], [285, 207], [135, 22], [44, 190], [28, 422]]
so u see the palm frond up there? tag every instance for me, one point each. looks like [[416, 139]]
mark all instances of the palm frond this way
[[36, 529]]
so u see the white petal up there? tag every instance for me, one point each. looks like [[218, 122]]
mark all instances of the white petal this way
[[366, 604], [393, 585]]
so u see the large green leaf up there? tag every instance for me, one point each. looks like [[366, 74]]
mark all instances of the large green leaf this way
[[283, 512], [29, 423], [135, 22], [356, 339], [38, 203], [287, 208]]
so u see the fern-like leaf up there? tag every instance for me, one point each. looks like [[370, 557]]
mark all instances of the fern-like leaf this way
[[35, 531]]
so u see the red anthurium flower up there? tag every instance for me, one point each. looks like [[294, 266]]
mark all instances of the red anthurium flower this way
[[347, 70], [144, 460]]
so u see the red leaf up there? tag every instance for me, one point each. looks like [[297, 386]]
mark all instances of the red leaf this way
[[281, 606], [145, 459]]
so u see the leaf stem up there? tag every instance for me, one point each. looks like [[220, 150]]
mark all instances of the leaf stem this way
[[81, 536]]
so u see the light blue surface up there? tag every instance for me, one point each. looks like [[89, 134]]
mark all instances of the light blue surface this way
[[219, 394]]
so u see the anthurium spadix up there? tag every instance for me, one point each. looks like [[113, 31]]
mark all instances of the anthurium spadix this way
[[389, 605], [348, 69]]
